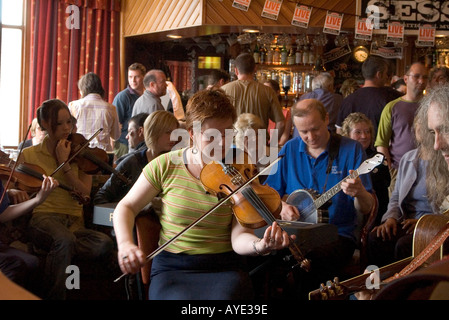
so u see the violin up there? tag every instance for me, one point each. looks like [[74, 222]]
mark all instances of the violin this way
[[91, 160], [254, 205], [28, 177]]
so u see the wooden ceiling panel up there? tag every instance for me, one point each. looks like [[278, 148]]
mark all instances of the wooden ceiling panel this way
[[141, 17], [155, 18]]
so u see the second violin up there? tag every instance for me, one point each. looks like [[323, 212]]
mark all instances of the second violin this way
[[91, 160], [28, 177]]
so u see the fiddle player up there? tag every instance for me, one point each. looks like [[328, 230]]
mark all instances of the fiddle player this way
[[306, 166], [57, 224], [20, 266], [212, 248]]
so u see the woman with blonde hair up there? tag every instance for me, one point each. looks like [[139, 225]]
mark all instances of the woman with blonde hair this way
[[37, 135], [359, 127], [157, 128], [349, 86]]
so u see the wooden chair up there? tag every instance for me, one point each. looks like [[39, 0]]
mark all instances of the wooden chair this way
[[147, 237]]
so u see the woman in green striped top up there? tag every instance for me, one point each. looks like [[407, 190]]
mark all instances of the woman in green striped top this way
[[205, 262]]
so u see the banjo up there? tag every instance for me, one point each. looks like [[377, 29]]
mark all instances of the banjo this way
[[309, 203]]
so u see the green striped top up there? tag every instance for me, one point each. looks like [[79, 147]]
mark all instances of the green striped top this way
[[184, 199]]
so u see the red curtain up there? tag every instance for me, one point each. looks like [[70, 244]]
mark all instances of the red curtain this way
[[70, 38]]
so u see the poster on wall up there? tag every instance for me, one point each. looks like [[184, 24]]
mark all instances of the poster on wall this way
[[271, 9], [386, 52], [333, 22], [301, 16], [241, 4], [336, 53], [426, 36], [395, 32], [363, 29]]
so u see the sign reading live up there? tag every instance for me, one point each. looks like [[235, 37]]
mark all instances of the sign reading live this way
[[426, 36], [363, 29], [241, 4], [395, 31], [333, 22], [271, 9], [301, 16], [412, 13]]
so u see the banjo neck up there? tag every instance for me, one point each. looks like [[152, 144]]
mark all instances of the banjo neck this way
[[333, 191]]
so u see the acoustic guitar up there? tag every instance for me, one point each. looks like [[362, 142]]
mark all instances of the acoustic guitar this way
[[309, 203], [426, 231]]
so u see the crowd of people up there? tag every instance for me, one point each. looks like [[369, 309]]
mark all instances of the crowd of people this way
[[163, 149]]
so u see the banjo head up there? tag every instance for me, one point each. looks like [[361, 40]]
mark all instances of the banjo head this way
[[304, 201]]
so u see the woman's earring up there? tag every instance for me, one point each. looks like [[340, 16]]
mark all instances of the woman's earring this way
[[194, 150]]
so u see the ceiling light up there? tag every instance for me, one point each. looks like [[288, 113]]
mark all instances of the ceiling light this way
[[249, 30], [174, 36]]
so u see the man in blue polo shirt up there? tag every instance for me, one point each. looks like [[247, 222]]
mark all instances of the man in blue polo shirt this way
[[305, 166], [124, 102]]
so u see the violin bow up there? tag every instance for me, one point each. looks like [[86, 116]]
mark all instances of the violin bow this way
[[215, 207], [15, 165], [78, 151]]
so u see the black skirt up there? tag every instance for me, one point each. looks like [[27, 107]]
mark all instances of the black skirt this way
[[199, 277]]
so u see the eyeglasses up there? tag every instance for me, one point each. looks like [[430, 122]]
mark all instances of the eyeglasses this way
[[418, 76]]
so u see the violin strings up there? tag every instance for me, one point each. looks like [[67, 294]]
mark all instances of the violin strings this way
[[255, 200], [251, 195]]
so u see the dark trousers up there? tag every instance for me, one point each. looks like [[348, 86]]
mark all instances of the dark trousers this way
[[383, 252], [19, 266]]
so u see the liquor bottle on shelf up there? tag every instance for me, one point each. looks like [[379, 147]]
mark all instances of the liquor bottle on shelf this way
[[305, 55], [256, 54], [286, 84], [277, 56], [284, 55], [298, 55], [291, 57], [269, 59], [312, 55], [263, 55]]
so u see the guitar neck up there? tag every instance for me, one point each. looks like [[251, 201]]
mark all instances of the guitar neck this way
[[358, 283], [334, 190]]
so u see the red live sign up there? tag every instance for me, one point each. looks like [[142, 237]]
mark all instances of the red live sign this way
[[302, 15], [272, 7], [333, 21]]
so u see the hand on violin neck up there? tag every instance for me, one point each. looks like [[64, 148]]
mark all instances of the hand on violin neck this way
[[48, 185], [274, 238]]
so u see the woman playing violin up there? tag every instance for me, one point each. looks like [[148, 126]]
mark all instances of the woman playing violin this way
[[57, 225], [214, 246]]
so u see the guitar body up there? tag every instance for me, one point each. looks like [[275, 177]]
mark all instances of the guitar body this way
[[426, 229], [304, 200]]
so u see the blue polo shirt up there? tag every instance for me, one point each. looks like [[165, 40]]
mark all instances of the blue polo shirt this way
[[298, 170]]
